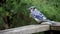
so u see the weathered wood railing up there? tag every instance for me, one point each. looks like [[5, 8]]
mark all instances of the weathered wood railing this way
[[30, 29]]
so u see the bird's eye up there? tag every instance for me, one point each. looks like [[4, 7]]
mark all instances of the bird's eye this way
[[31, 8]]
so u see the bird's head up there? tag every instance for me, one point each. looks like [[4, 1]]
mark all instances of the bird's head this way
[[32, 8]]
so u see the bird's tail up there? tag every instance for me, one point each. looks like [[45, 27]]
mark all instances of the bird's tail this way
[[52, 22]]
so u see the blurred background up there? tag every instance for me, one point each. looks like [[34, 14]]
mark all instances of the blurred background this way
[[15, 13]]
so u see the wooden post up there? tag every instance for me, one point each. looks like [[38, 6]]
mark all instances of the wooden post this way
[[55, 29]]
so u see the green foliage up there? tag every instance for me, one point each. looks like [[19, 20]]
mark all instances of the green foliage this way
[[48, 7], [1, 23]]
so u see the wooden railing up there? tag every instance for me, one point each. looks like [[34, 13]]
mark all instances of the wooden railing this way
[[29, 29]]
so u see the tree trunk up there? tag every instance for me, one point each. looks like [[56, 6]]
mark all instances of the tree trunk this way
[[6, 22]]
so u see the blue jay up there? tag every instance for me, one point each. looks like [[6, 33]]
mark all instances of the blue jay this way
[[38, 16]]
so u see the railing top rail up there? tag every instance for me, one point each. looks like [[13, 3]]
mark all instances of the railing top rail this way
[[26, 29]]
